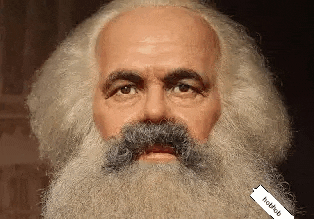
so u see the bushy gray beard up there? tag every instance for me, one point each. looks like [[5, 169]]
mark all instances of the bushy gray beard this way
[[105, 179]]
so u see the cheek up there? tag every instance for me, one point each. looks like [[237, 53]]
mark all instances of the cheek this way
[[108, 119], [205, 123], [201, 119], [105, 125], [107, 122]]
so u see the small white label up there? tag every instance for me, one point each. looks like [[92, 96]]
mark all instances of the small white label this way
[[270, 204]]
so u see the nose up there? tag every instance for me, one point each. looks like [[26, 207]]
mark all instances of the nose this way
[[155, 109]]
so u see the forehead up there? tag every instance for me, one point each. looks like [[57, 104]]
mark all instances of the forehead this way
[[155, 19], [150, 34]]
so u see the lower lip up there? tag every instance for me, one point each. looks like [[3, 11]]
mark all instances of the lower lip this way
[[158, 157]]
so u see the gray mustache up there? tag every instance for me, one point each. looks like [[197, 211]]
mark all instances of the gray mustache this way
[[137, 138]]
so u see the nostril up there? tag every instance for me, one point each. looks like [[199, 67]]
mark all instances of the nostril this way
[[161, 121]]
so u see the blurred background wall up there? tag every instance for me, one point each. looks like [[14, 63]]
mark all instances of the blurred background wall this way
[[31, 29]]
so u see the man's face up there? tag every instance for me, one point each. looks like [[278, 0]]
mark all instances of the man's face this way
[[157, 64]]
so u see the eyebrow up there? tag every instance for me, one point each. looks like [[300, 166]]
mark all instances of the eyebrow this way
[[173, 77], [183, 73], [127, 75]]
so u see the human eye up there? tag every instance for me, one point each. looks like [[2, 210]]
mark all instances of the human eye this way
[[182, 88], [125, 90], [186, 92], [120, 90], [185, 89]]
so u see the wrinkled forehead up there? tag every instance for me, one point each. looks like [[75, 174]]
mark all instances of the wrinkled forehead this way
[[159, 24]]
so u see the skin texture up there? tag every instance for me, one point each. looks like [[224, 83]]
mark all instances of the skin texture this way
[[153, 44]]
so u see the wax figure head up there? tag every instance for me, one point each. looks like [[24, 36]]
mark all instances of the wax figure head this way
[[159, 109]]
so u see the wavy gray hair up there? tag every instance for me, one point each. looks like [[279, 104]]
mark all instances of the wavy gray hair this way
[[252, 113]]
